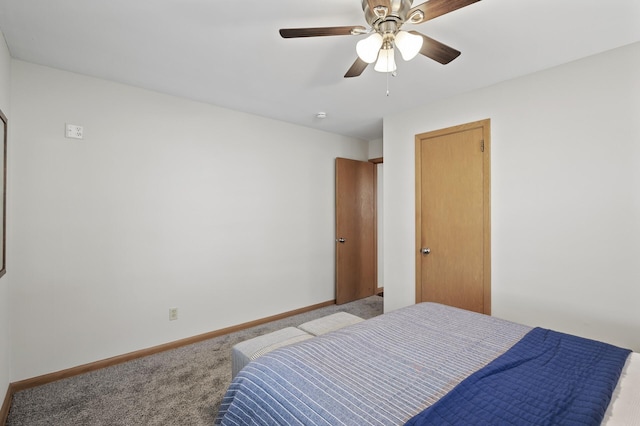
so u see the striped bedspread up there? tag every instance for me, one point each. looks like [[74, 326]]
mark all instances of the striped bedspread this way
[[382, 371]]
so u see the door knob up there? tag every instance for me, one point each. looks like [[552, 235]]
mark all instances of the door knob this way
[[425, 250], [341, 240]]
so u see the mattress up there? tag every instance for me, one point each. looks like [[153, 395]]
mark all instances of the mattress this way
[[624, 409], [384, 371]]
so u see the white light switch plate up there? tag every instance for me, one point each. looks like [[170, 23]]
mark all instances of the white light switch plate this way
[[74, 131]]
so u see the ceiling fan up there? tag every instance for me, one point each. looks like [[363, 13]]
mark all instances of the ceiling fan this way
[[385, 19]]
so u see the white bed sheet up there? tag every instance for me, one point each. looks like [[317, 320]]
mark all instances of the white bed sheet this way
[[624, 409]]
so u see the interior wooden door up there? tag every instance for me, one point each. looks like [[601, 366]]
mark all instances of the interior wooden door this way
[[453, 234], [355, 230]]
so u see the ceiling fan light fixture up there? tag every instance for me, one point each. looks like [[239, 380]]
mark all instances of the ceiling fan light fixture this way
[[408, 44], [367, 49], [386, 60]]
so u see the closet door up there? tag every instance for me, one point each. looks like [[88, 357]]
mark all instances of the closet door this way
[[453, 255]]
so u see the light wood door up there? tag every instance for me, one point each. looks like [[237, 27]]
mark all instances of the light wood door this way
[[355, 230], [453, 260]]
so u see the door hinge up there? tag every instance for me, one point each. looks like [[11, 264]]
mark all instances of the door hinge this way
[[482, 145]]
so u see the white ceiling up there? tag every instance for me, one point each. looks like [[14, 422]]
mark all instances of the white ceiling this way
[[229, 53]]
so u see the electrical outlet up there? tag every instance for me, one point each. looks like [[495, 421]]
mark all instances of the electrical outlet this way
[[173, 314], [74, 131]]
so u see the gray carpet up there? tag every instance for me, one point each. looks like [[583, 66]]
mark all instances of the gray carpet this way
[[183, 386]]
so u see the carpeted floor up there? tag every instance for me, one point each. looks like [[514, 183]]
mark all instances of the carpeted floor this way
[[183, 386]]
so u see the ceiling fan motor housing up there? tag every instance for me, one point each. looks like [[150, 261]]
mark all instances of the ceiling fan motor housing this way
[[397, 14]]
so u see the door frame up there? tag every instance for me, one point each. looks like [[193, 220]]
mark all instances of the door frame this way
[[376, 161], [485, 125]]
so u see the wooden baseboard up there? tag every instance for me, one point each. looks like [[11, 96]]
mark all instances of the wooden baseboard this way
[[6, 405], [74, 371]]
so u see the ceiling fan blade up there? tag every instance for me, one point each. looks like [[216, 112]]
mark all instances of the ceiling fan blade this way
[[435, 50], [320, 32], [434, 8], [357, 68]]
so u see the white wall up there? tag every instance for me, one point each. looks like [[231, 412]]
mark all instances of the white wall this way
[[565, 160], [5, 342], [375, 148], [165, 203]]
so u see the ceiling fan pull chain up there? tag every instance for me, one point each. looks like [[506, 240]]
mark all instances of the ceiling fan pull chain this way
[[387, 84]]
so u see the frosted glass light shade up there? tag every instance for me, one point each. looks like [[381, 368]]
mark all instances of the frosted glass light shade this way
[[368, 48], [408, 44], [386, 61]]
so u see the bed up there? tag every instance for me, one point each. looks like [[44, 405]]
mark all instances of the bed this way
[[433, 364]]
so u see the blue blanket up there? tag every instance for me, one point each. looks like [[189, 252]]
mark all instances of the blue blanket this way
[[547, 378]]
